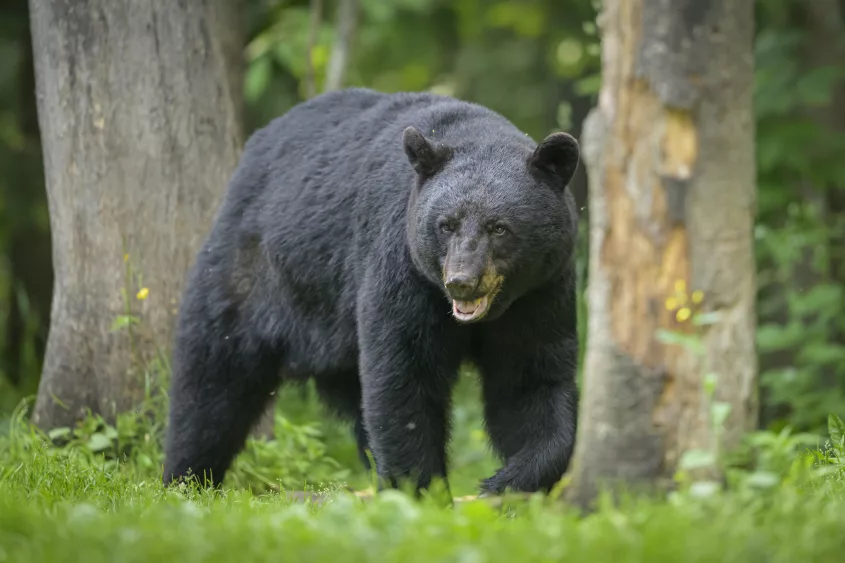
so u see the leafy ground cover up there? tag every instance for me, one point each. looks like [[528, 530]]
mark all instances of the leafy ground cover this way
[[98, 498]]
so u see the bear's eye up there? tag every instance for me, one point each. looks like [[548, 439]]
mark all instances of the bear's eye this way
[[499, 230], [446, 227]]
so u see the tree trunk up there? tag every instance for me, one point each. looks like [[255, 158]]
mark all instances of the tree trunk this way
[[670, 156], [140, 136], [347, 17]]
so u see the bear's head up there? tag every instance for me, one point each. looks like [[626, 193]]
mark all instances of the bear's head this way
[[490, 221]]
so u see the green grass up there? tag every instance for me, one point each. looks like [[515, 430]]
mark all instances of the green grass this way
[[57, 511], [99, 498]]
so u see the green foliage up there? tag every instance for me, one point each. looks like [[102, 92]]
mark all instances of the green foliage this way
[[765, 460], [61, 505], [515, 57], [98, 497], [132, 447], [801, 228], [309, 448], [833, 456], [23, 217]]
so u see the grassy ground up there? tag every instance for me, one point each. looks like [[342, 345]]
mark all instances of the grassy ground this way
[[99, 499]]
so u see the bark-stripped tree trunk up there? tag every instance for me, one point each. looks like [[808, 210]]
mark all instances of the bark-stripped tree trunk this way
[[140, 136], [670, 156]]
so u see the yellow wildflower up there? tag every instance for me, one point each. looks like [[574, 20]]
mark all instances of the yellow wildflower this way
[[683, 314], [143, 293], [697, 296]]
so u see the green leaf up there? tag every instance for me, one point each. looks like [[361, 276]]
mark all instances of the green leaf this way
[[837, 430], [762, 479], [56, 433], [719, 412], [695, 459], [588, 85], [819, 298], [704, 489], [703, 319], [98, 442], [816, 86], [122, 321], [257, 78], [691, 343], [709, 383], [772, 337], [823, 354]]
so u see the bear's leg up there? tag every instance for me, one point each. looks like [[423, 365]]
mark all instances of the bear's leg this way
[[221, 386], [531, 407], [342, 394], [364, 451], [409, 356]]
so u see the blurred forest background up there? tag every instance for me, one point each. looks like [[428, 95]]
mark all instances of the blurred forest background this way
[[538, 63]]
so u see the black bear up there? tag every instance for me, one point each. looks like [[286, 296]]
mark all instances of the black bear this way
[[374, 242]]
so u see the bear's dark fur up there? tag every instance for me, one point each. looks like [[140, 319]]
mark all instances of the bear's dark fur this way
[[374, 242]]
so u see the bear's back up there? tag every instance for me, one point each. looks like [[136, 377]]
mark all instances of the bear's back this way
[[334, 165]]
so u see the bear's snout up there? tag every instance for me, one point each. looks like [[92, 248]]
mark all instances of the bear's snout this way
[[463, 286]]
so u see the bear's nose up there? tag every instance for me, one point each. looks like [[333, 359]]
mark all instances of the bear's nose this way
[[462, 286]]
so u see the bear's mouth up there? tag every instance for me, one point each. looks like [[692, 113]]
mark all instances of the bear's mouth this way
[[468, 311]]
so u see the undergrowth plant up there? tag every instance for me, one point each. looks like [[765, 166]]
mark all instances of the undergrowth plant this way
[[132, 445], [766, 458]]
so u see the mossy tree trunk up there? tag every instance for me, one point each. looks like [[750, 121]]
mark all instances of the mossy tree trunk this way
[[670, 155], [140, 127]]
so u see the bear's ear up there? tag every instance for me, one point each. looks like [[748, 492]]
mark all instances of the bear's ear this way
[[557, 156], [425, 155]]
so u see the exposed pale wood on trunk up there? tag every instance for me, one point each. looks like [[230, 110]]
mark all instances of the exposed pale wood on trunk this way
[[670, 155]]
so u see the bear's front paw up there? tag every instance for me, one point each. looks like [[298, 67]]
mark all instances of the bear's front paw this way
[[492, 486]]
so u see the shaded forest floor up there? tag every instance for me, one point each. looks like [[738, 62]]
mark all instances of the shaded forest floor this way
[[99, 498]]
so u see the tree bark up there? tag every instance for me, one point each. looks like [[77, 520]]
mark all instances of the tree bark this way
[[347, 18], [670, 157], [140, 135]]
